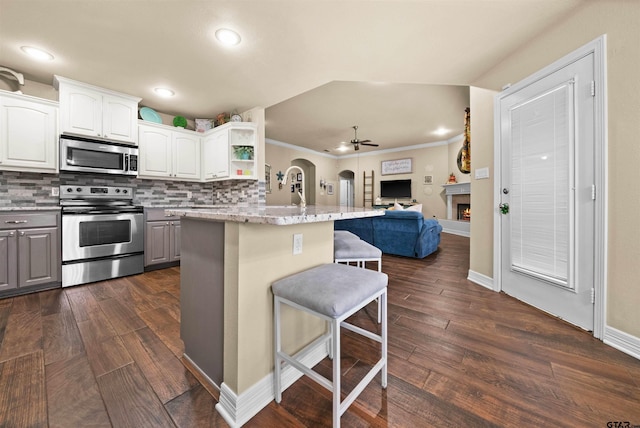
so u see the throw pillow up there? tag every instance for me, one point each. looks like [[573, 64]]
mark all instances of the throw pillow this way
[[397, 206], [416, 207]]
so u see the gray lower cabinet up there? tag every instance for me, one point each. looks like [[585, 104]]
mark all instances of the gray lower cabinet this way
[[29, 251], [162, 239]]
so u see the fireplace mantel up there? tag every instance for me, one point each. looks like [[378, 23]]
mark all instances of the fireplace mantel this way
[[451, 225], [457, 189]]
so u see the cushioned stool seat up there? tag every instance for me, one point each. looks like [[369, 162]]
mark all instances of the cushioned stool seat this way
[[332, 292], [345, 234]]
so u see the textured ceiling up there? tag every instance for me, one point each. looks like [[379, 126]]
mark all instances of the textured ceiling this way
[[293, 51]]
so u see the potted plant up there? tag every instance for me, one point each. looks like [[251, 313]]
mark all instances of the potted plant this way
[[243, 152]]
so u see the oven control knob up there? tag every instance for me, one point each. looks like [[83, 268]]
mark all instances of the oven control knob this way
[[78, 189], [117, 190], [125, 191], [69, 190]]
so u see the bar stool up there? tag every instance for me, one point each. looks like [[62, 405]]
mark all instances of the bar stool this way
[[358, 251], [349, 251], [332, 292]]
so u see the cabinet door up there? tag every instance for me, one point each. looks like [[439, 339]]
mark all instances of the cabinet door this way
[[155, 152], [38, 256], [186, 156], [156, 248], [175, 240], [8, 260], [120, 119], [215, 155], [28, 135], [80, 111]]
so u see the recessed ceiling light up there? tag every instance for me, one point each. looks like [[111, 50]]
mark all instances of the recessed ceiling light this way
[[342, 148], [441, 131], [36, 53], [227, 37], [164, 92]]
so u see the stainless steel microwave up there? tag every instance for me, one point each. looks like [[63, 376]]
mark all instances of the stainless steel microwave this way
[[105, 157]]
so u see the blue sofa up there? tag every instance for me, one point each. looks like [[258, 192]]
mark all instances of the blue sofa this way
[[402, 233]]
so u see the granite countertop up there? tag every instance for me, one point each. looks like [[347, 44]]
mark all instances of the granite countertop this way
[[275, 215], [32, 208]]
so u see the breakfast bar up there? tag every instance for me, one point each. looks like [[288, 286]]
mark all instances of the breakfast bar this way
[[230, 256]]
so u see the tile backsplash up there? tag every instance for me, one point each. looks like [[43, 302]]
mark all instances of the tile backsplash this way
[[34, 189]]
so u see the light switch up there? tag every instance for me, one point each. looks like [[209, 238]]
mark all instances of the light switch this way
[[482, 173]]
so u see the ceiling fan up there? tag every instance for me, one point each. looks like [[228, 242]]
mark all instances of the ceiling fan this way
[[356, 143]]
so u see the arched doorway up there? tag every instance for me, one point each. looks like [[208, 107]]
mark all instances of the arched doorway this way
[[347, 189], [309, 169]]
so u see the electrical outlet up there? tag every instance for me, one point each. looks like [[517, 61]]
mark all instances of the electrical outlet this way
[[55, 191], [189, 195], [297, 243]]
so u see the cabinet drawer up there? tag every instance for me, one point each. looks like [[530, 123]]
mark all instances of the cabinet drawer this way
[[157, 214], [21, 221]]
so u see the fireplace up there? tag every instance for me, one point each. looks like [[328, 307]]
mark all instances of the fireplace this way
[[464, 212]]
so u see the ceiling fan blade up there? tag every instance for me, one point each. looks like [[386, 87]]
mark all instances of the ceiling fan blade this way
[[365, 141], [369, 144]]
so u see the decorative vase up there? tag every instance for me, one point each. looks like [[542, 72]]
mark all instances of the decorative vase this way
[[464, 155]]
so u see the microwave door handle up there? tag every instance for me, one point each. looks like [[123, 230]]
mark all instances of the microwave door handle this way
[[126, 163]]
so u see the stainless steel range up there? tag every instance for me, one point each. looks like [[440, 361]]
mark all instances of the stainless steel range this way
[[102, 234]]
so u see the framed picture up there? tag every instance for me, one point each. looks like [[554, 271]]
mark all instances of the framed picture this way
[[428, 179], [299, 177], [329, 188], [267, 178], [397, 166]]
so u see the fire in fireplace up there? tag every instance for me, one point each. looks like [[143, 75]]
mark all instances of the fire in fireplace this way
[[464, 212]]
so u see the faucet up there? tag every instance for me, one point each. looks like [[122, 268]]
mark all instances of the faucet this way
[[303, 202]]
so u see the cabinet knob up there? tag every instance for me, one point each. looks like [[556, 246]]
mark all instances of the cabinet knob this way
[[167, 223], [15, 221], [11, 234], [21, 233]]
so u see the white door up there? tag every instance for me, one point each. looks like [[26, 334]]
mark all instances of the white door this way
[[346, 193], [547, 158]]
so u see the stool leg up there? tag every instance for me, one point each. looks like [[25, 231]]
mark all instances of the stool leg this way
[[379, 270], [383, 303], [277, 346], [330, 342], [335, 340]]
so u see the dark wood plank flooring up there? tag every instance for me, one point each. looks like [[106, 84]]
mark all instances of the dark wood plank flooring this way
[[108, 354]]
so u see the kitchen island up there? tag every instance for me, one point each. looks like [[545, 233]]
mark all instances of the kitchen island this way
[[230, 255]]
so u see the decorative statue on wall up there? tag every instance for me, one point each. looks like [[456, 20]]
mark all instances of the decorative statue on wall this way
[[464, 155]]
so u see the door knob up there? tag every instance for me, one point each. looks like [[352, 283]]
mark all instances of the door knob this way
[[504, 208]]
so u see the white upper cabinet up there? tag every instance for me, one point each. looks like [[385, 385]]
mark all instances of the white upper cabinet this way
[[96, 112], [168, 153], [215, 156], [229, 152], [186, 155], [28, 133]]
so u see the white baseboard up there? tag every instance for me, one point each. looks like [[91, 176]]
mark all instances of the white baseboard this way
[[622, 341], [461, 228], [481, 279], [238, 409]]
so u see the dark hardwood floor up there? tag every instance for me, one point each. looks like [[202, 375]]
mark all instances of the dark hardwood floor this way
[[108, 354]]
